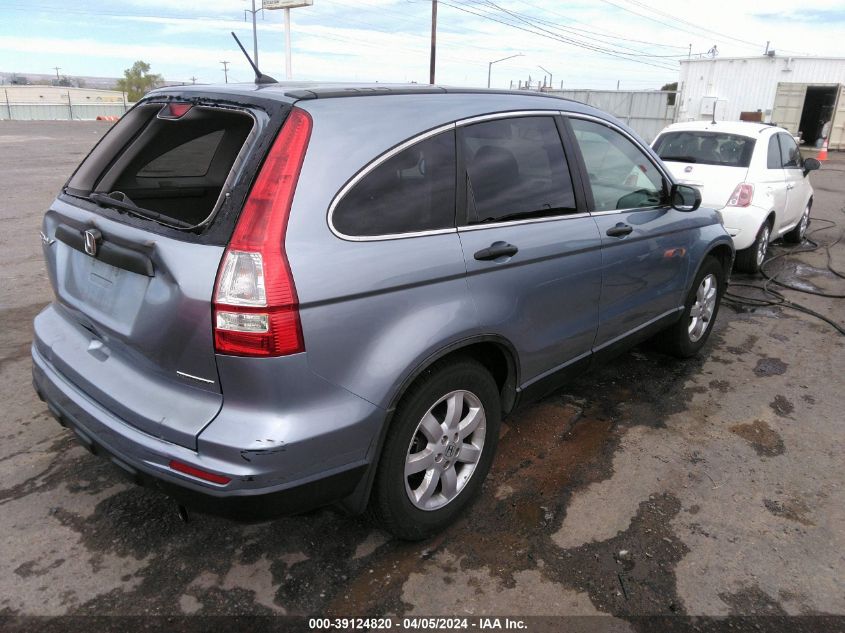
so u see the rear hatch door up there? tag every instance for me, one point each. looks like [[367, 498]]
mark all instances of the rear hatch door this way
[[132, 323], [715, 182]]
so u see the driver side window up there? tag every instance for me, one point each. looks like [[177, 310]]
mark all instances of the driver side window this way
[[621, 175]]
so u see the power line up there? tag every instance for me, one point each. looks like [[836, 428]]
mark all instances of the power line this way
[[553, 36], [697, 26], [604, 33], [679, 28], [625, 49]]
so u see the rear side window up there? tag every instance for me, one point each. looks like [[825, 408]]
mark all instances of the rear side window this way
[[515, 168], [409, 192], [789, 153], [621, 175], [773, 154], [706, 148]]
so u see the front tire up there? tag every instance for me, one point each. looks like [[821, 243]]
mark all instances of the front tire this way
[[749, 260], [438, 450], [686, 337]]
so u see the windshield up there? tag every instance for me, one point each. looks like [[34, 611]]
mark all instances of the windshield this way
[[706, 148]]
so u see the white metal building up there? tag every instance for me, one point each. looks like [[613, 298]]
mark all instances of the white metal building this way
[[801, 94]]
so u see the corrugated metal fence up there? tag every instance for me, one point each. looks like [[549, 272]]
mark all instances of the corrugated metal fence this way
[[53, 111], [646, 112]]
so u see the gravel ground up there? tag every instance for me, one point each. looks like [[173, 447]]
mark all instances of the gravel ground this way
[[649, 487]]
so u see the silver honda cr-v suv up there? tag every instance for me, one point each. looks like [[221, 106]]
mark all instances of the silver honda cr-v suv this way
[[274, 297]]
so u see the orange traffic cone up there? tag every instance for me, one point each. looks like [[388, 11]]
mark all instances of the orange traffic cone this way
[[823, 151]]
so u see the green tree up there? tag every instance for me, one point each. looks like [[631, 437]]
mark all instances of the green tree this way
[[138, 80], [671, 87]]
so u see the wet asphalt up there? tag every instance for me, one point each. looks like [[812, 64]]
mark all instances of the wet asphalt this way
[[651, 486]]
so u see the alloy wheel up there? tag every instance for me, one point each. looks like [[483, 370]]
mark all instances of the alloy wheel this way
[[805, 222], [702, 310], [763, 245], [445, 450]]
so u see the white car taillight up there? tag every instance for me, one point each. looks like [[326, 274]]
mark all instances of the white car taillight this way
[[742, 195]]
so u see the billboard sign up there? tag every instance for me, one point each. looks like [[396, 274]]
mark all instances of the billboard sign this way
[[286, 4]]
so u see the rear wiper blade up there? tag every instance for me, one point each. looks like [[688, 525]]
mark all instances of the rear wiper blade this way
[[109, 201], [681, 159]]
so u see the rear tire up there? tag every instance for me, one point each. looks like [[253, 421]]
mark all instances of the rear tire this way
[[796, 235], [436, 457], [749, 260], [689, 334]]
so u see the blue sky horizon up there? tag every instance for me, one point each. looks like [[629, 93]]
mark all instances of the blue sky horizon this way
[[586, 44]]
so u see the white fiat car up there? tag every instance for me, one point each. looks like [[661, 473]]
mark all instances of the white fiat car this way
[[752, 172]]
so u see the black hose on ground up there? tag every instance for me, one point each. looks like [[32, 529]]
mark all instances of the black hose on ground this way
[[772, 297]]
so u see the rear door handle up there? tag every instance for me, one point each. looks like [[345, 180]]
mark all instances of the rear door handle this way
[[496, 250], [620, 230]]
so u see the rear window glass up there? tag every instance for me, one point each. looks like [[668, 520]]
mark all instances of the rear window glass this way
[[516, 169], [706, 148], [178, 168], [410, 192]]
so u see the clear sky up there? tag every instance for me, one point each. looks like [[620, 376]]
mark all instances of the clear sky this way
[[584, 44]]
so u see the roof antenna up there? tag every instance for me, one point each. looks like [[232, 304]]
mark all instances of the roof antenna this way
[[260, 78]]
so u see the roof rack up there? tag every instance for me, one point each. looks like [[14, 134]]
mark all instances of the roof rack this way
[[370, 91]]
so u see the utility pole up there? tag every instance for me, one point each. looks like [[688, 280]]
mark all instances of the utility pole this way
[[226, 70], [254, 31], [57, 69], [689, 54], [433, 40], [193, 80]]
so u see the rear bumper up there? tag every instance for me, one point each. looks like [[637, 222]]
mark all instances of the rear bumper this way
[[743, 223], [259, 488]]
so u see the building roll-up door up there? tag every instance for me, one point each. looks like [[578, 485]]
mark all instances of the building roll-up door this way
[[836, 139], [789, 103]]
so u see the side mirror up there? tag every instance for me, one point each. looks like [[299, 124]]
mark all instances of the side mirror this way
[[811, 164], [684, 198]]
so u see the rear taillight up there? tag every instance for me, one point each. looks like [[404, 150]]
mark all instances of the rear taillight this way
[[256, 312], [742, 195]]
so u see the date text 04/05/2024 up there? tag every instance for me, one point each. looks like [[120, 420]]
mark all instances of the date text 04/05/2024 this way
[[418, 623]]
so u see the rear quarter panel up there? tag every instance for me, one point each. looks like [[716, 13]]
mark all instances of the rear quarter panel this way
[[371, 311]]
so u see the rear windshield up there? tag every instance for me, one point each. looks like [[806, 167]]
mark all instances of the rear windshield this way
[[706, 148], [174, 168]]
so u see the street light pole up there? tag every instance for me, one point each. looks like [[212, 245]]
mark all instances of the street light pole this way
[[547, 71], [496, 61]]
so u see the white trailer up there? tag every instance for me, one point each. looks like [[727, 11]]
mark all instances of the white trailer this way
[[806, 95]]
